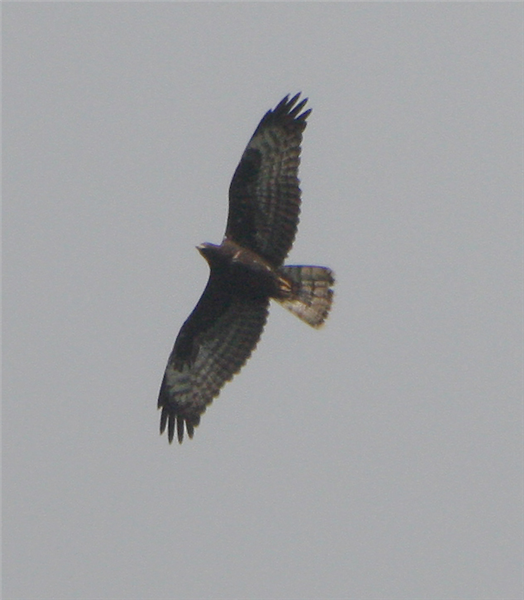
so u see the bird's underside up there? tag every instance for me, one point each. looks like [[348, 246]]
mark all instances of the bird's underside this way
[[246, 271]]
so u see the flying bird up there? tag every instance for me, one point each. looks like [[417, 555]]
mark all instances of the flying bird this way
[[246, 271]]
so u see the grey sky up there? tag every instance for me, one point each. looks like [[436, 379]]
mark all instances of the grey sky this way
[[378, 458]]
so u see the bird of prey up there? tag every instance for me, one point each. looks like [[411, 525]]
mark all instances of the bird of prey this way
[[246, 270]]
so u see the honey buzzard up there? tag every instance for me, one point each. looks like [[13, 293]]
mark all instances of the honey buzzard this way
[[245, 272]]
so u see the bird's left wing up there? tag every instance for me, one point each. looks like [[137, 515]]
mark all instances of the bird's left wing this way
[[264, 195], [212, 346]]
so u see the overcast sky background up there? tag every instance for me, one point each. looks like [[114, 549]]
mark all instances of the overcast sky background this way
[[377, 458]]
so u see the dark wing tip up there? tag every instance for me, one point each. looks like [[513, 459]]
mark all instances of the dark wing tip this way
[[179, 428], [167, 419], [286, 114], [170, 418], [287, 108]]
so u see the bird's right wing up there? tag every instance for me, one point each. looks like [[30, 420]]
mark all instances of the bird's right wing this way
[[212, 346]]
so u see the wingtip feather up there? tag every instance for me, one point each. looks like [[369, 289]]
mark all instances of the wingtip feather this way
[[179, 429], [287, 106]]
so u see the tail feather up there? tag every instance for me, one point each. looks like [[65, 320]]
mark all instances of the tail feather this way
[[310, 294]]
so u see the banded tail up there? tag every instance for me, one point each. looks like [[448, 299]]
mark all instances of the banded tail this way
[[310, 294]]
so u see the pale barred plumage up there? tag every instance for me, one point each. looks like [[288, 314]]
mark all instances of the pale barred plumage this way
[[310, 293], [221, 354], [245, 272]]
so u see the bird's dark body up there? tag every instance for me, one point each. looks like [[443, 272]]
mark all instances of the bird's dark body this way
[[246, 271], [235, 273], [241, 271]]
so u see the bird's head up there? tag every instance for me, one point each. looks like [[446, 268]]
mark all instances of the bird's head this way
[[210, 252]]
